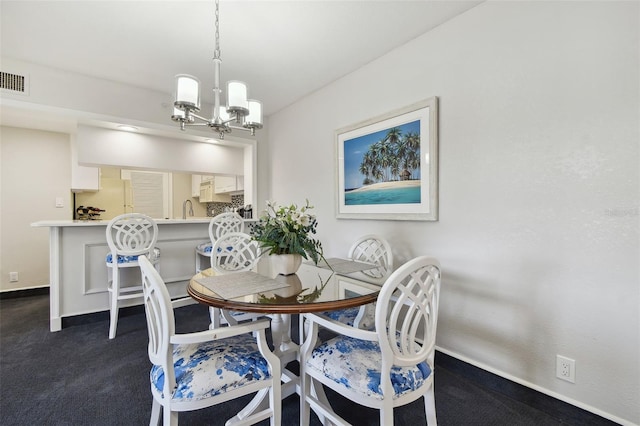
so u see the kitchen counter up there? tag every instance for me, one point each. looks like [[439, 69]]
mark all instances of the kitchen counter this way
[[78, 272], [46, 223]]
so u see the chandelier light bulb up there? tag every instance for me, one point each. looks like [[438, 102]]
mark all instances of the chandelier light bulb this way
[[254, 119], [187, 91], [236, 95]]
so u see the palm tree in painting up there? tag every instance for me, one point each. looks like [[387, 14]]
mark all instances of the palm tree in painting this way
[[412, 156], [388, 148], [376, 157], [402, 150], [365, 169], [396, 156], [395, 166]]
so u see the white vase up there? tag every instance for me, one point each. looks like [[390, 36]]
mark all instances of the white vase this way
[[285, 264]]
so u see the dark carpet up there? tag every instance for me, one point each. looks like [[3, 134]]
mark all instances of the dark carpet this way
[[79, 377]]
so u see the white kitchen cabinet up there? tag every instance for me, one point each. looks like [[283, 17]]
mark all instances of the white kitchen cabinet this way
[[208, 194], [196, 180], [82, 178], [85, 178], [227, 184]]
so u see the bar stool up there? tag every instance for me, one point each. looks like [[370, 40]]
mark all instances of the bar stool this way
[[221, 224], [128, 236], [233, 252]]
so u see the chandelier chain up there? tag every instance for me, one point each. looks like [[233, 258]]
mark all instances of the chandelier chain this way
[[216, 52]]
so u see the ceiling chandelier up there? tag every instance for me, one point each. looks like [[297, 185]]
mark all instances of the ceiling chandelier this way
[[240, 113]]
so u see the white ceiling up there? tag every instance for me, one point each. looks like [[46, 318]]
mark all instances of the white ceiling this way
[[284, 50]]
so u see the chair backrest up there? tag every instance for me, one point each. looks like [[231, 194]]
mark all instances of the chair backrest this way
[[160, 321], [234, 252], [223, 224], [373, 249], [132, 234], [407, 314]]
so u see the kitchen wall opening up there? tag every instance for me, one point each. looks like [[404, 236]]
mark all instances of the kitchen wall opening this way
[[160, 195]]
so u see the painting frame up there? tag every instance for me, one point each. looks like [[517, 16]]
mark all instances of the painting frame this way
[[415, 190]]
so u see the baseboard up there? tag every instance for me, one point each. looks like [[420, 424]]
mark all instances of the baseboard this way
[[556, 405], [93, 317], [24, 292], [126, 311]]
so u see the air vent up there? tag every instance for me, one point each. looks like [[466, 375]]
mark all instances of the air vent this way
[[13, 82]]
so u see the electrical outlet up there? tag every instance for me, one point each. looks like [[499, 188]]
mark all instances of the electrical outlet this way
[[13, 277], [565, 368]]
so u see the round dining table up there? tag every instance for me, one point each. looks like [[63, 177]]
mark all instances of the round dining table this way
[[311, 289]]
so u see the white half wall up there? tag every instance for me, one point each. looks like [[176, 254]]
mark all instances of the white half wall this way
[[539, 201], [106, 147]]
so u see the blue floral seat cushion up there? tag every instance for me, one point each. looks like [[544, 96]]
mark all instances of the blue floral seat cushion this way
[[206, 369], [348, 316], [204, 248], [207, 247], [355, 364], [129, 259]]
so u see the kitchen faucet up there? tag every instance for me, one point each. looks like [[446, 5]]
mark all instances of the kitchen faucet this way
[[184, 209]]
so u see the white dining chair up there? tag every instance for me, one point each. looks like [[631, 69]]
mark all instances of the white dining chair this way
[[389, 366], [218, 226], [369, 249], [196, 370], [233, 252], [128, 236]]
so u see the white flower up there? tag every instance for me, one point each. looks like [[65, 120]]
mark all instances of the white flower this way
[[304, 220]]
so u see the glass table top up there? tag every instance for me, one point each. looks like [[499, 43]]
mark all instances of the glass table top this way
[[311, 289]]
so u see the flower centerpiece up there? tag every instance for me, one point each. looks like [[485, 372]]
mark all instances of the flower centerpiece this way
[[288, 230]]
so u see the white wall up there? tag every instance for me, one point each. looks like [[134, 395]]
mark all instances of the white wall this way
[[97, 98], [35, 169], [539, 187]]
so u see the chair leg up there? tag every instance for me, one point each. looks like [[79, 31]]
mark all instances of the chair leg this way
[[301, 331], [430, 407], [113, 314], [214, 315], [114, 321], [155, 413], [275, 400], [386, 413], [305, 408], [169, 418]]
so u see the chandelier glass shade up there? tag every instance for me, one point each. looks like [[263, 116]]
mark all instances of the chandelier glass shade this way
[[239, 113]]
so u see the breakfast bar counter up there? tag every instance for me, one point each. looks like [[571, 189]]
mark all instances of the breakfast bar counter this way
[[78, 272]]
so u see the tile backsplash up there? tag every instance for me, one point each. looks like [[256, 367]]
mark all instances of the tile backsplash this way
[[214, 209]]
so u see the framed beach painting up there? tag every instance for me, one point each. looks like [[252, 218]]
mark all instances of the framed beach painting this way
[[388, 165]]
